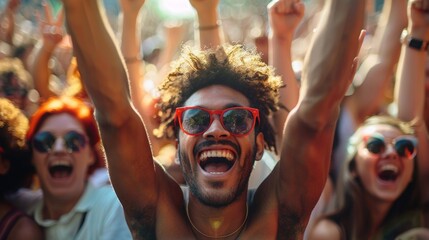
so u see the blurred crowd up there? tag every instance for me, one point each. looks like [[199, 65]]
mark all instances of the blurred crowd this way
[[53, 168]]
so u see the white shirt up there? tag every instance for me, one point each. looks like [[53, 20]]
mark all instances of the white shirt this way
[[97, 215]]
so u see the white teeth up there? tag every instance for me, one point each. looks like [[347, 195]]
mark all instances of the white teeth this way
[[217, 153], [389, 167]]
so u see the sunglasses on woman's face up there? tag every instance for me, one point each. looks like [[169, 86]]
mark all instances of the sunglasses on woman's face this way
[[405, 146], [73, 141], [239, 121]]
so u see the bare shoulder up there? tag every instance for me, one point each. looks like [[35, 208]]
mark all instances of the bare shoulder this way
[[325, 230], [25, 228]]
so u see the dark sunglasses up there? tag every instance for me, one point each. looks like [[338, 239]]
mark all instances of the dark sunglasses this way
[[405, 146], [239, 121], [73, 141]]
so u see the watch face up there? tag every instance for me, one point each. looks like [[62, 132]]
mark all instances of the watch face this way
[[415, 43]]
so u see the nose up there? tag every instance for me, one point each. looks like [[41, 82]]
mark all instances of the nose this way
[[390, 152], [59, 146], [216, 130]]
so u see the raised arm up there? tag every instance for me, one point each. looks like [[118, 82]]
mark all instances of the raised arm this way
[[411, 84], [130, 47], [123, 133], [376, 72], [7, 20], [308, 135], [209, 26], [284, 17], [52, 34]]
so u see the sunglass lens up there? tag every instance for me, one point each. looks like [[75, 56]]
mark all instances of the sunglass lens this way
[[195, 121], [404, 148], [74, 141], [43, 141], [238, 121], [375, 145]]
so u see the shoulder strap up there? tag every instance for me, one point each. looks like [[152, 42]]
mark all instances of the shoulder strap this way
[[8, 222]]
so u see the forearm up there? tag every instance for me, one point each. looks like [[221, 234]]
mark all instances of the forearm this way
[[130, 46], [39, 68], [392, 20], [328, 64], [280, 58], [131, 37], [98, 58], [378, 68], [7, 28], [209, 30], [410, 87]]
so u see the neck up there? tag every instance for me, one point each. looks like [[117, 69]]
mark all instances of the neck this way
[[378, 212], [217, 223], [55, 207]]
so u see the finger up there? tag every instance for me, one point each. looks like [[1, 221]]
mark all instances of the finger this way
[[48, 12], [418, 4], [280, 7], [299, 8], [353, 69], [288, 5], [50, 29], [271, 5], [361, 38], [60, 18], [422, 5]]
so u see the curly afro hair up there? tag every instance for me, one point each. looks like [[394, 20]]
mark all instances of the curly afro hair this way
[[228, 65]]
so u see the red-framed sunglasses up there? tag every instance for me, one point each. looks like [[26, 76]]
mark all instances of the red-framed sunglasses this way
[[405, 146], [239, 121]]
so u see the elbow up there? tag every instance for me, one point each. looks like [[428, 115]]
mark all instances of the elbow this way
[[318, 117]]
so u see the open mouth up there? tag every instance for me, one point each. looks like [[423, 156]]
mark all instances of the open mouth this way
[[216, 161], [388, 173], [60, 169]]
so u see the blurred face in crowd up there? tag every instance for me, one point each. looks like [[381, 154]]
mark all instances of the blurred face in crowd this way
[[385, 161], [216, 163], [62, 155], [12, 89]]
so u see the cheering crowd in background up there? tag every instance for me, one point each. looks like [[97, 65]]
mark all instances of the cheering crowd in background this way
[[366, 178]]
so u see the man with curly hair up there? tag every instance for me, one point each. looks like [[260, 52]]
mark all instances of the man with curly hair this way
[[216, 104]]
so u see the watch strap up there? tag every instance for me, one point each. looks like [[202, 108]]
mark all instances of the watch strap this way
[[412, 42]]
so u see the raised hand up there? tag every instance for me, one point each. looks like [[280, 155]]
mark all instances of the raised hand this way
[[51, 29], [210, 32], [7, 19], [418, 12], [284, 16], [13, 5], [204, 6], [131, 6]]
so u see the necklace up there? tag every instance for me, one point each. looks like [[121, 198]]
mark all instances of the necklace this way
[[239, 229]]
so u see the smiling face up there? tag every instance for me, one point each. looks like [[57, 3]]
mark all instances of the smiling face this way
[[63, 172], [385, 175], [216, 164]]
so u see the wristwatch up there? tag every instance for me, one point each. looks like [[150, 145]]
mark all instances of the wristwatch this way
[[414, 43]]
